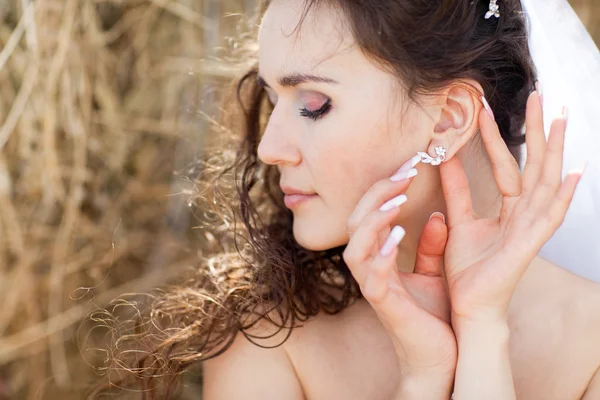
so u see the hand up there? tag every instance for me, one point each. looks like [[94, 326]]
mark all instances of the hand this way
[[413, 307], [486, 257]]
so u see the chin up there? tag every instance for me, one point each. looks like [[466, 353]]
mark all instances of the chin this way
[[317, 237]]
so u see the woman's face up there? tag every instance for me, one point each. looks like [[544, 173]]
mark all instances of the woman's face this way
[[339, 123]]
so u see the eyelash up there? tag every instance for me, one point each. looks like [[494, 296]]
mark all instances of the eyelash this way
[[315, 115]]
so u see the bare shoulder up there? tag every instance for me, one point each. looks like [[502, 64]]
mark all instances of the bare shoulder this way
[[348, 355], [578, 297], [255, 366], [547, 283], [551, 290], [581, 311], [340, 356], [555, 326], [580, 308]]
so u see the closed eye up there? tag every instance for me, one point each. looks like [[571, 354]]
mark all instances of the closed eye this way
[[315, 115]]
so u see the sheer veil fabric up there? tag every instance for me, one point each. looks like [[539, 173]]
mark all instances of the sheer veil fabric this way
[[568, 64]]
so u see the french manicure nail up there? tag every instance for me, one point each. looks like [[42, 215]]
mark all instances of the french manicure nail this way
[[565, 113], [438, 215], [585, 166], [538, 87], [403, 175], [410, 164], [565, 116], [394, 203], [396, 236], [487, 107]]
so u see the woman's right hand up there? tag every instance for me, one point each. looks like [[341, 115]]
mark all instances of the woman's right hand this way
[[413, 307]]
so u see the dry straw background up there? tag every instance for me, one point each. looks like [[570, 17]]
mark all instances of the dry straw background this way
[[100, 102]]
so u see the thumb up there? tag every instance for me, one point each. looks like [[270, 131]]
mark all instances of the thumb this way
[[431, 247]]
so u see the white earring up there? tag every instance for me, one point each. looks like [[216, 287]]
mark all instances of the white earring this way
[[427, 159]]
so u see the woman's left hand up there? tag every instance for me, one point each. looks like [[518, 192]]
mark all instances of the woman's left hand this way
[[486, 257]]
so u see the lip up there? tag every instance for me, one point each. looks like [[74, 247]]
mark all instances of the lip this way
[[294, 197], [289, 190], [293, 200]]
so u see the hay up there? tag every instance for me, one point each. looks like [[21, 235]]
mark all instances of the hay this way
[[589, 12], [98, 108], [98, 102]]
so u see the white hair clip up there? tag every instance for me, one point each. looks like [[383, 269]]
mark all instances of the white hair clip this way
[[494, 10]]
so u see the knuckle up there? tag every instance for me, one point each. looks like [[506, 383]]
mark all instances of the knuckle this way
[[381, 185], [499, 165], [349, 256], [535, 161], [459, 191], [515, 165], [352, 224], [373, 221], [384, 188], [548, 183], [551, 222], [368, 221]]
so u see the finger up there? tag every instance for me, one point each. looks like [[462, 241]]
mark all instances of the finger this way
[[560, 204], [553, 158], [506, 168], [386, 292], [381, 192], [536, 143], [431, 247], [382, 266], [376, 287], [551, 175], [456, 192], [364, 244]]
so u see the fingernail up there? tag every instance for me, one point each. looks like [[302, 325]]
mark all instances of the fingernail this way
[[585, 166], [438, 215], [396, 236], [538, 87], [403, 175], [565, 113], [488, 108], [394, 203], [410, 164]]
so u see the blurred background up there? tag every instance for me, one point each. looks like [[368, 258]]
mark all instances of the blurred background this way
[[102, 104]]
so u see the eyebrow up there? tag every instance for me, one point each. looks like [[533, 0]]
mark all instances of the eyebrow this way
[[296, 79]]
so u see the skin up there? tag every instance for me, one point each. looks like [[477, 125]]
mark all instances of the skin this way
[[357, 354]]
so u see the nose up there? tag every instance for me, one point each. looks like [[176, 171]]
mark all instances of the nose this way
[[277, 145]]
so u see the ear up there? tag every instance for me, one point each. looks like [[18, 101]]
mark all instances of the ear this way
[[460, 105]]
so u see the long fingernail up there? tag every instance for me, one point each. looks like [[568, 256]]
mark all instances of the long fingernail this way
[[582, 169], [487, 107], [565, 113], [438, 215], [538, 87], [394, 203], [403, 175], [410, 164], [396, 236]]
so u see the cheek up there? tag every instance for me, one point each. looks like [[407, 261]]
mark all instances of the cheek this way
[[349, 166]]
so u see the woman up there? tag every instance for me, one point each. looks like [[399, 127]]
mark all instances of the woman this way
[[416, 286], [354, 130]]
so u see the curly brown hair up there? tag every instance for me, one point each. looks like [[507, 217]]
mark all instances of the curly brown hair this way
[[256, 270]]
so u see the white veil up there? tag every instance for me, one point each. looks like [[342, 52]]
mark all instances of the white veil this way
[[568, 64]]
